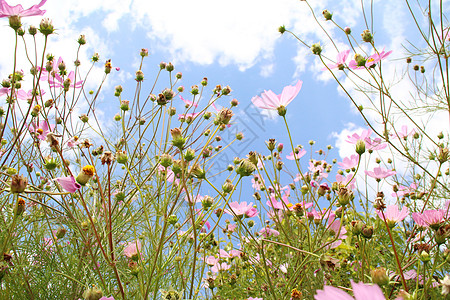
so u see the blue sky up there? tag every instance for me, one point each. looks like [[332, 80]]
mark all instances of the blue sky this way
[[234, 43]]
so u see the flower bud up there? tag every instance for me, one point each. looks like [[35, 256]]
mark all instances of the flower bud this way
[[61, 232], [227, 186], [327, 15], [93, 293], [198, 172], [20, 207], [239, 136], [50, 163], [345, 196], [367, 36], [360, 147], [189, 154], [282, 29], [281, 110], [379, 276], [20, 32], [46, 27], [162, 65], [139, 76], [15, 22], [169, 67], [271, 144], [121, 157], [424, 257], [224, 116], [108, 66], [18, 183], [357, 227], [316, 49], [124, 105], [177, 138], [245, 168], [347, 30], [207, 202], [35, 111], [194, 90], [367, 232], [144, 52]]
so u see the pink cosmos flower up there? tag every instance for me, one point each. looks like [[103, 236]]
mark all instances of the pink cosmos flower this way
[[379, 173], [58, 81], [241, 209], [68, 183], [375, 144], [267, 231], [188, 115], [170, 175], [22, 95], [211, 260], [341, 59], [132, 249], [403, 190], [283, 204], [370, 61], [257, 182], [348, 181], [298, 155], [269, 100], [42, 129], [231, 228], [220, 267], [349, 162], [335, 226], [361, 291], [9, 11], [354, 138], [393, 215], [74, 141], [429, 218], [189, 102], [403, 133]]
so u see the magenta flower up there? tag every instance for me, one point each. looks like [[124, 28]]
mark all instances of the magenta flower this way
[[267, 231], [211, 260], [403, 133], [341, 59], [379, 173], [9, 11], [58, 81], [349, 162], [257, 182], [429, 218], [375, 144], [269, 100], [403, 190], [354, 138], [393, 215], [338, 229], [68, 183], [298, 155], [189, 102], [132, 249], [370, 61], [242, 209], [348, 181], [42, 129], [220, 267], [361, 291], [188, 115]]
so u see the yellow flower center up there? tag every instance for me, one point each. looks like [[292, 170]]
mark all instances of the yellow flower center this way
[[89, 170], [40, 131]]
